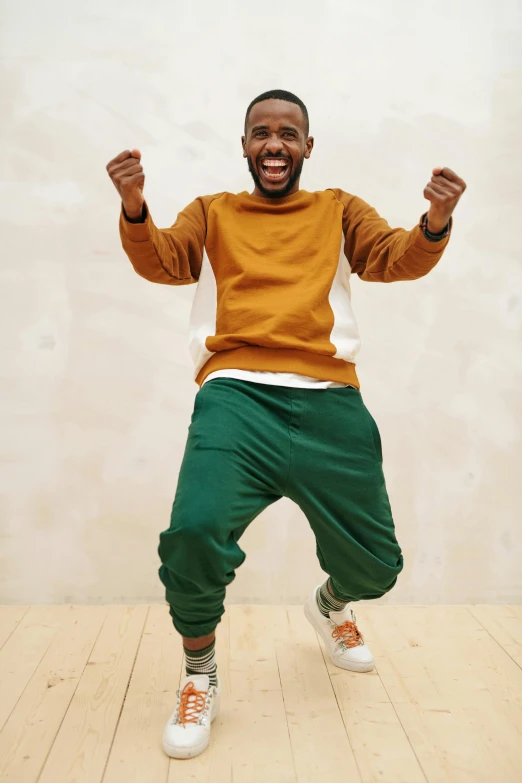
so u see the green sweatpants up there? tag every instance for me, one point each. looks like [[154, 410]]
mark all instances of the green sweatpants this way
[[250, 444]]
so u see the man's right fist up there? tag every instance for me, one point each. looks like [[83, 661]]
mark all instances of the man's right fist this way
[[126, 172]]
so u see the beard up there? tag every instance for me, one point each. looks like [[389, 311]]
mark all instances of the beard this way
[[294, 176]]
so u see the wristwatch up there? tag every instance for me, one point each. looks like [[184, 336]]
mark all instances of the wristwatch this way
[[428, 234]]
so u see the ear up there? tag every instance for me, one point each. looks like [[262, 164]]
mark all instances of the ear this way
[[309, 144], [243, 144]]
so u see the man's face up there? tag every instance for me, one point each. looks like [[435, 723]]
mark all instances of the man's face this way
[[275, 146]]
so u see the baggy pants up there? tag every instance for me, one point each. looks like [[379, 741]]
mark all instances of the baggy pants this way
[[250, 444]]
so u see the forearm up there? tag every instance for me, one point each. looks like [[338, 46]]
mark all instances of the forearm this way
[[410, 258], [397, 254], [155, 255]]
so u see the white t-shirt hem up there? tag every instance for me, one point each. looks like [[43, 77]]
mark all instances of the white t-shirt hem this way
[[290, 379]]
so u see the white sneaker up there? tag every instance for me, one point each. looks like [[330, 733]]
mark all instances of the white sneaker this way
[[187, 732], [343, 640]]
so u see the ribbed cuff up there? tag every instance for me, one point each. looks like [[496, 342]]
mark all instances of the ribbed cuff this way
[[136, 232]]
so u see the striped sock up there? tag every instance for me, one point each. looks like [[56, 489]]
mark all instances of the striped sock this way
[[327, 602], [202, 662]]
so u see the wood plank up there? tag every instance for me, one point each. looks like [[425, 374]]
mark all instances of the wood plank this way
[[480, 684], [27, 736], [80, 751], [321, 748], [257, 711], [10, 616], [380, 744], [504, 623], [24, 650], [447, 749], [137, 755]]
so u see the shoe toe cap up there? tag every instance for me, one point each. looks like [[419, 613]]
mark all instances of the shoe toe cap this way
[[360, 654], [185, 741]]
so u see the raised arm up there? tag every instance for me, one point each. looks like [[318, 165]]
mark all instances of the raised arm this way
[[171, 256], [379, 253]]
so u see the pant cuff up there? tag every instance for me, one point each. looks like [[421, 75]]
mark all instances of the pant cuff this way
[[192, 631]]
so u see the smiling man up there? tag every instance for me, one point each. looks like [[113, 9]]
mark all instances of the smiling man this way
[[279, 413], [276, 169]]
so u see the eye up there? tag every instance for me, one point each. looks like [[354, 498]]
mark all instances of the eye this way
[[290, 134], [260, 133]]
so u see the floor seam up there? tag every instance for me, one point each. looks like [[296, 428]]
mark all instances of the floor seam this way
[[339, 707], [479, 621]]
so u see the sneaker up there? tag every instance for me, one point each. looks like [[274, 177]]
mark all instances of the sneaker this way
[[187, 732], [343, 640]]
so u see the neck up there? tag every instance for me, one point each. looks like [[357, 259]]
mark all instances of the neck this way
[[260, 193]]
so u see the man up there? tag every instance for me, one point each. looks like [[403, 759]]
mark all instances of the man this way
[[279, 412]]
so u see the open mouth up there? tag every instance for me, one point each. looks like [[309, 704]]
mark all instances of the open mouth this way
[[275, 169]]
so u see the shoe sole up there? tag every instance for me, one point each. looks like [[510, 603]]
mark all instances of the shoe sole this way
[[352, 666], [195, 750]]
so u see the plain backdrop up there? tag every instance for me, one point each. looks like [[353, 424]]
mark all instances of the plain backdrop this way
[[97, 386]]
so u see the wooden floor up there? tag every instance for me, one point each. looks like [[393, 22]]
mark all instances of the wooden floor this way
[[85, 692]]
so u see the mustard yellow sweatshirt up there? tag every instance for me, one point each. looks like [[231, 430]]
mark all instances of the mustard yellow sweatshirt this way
[[273, 276]]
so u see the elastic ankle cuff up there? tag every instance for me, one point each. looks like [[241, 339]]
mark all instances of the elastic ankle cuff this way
[[337, 593]]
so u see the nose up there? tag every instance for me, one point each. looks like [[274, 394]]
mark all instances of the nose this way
[[274, 145]]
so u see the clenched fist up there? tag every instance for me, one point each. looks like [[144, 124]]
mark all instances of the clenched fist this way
[[444, 192], [126, 172]]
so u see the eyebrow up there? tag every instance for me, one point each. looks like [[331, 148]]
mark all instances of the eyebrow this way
[[283, 127]]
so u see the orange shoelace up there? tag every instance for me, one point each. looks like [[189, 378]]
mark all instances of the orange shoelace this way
[[348, 633], [192, 702]]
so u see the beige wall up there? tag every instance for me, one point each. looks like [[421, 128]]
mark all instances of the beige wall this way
[[96, 376]]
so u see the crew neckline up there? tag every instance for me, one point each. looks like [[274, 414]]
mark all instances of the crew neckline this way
[[265, 200]]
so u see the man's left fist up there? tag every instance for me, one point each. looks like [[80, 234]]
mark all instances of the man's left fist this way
[[444, 192]]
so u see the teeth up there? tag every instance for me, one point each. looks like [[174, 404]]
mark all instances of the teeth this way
[[272, 162]]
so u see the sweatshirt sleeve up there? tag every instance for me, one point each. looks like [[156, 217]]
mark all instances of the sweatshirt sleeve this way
[[171, 256], [381, 254]]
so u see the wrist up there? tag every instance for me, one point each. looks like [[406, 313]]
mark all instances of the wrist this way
[[436, 225], [429, 233]]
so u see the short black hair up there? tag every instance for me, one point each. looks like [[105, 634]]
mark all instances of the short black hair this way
[[280, 95]]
